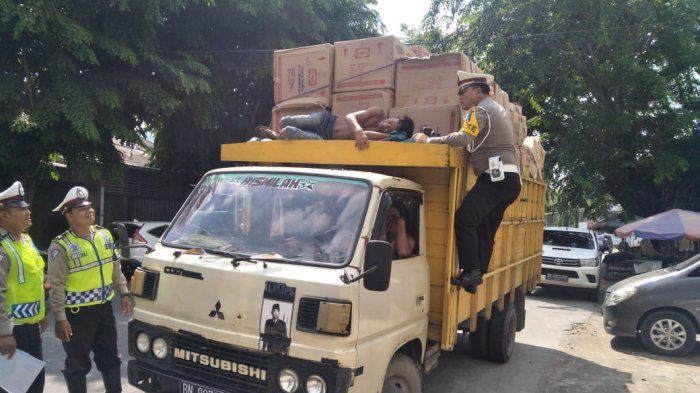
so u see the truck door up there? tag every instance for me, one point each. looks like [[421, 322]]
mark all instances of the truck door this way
[[393, 317]]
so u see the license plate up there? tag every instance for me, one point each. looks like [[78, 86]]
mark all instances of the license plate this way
[[557, 277], [189, 387]]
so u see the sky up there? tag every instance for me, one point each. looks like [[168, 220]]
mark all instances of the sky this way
[[395, 12]]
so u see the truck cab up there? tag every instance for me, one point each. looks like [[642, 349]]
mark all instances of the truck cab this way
[[286, 275]]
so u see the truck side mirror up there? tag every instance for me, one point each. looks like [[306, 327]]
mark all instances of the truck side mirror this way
[[122, 238], [378, 256]]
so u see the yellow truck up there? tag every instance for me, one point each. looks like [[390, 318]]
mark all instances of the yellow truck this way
[[279, 274]]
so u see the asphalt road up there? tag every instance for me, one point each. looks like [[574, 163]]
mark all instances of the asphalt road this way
[[550, 316]]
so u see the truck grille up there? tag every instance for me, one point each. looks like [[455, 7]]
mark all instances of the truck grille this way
[[561, 262], [233, 381]]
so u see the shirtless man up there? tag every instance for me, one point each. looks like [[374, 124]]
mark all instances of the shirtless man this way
[[362, 126]]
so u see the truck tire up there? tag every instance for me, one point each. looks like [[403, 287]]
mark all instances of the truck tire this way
[[479, 339], [520, 311], [402, 376], [668, 333], [502, 334]]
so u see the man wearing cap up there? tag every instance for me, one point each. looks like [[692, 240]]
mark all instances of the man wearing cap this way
[[22, 312], [487, 133], [275, 334], [84, 274]]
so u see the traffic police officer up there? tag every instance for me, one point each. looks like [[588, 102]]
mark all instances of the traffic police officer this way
[[84, 274], [21, 282], [487, 133]]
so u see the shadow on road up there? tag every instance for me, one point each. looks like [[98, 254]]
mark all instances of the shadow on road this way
[[529, 370], [568, 298], [633, 346]]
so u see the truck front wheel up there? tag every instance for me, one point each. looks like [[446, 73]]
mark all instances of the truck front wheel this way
[[502, 334], [402, 376]]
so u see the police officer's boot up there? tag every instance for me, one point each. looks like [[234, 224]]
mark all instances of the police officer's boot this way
[[112, 379], [76, 383]]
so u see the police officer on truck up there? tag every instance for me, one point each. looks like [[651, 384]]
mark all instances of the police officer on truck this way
[[22, 312], [84, 274], [487, 133]]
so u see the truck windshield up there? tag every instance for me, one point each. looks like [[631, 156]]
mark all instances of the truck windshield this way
[[309, 218], [568, 239]]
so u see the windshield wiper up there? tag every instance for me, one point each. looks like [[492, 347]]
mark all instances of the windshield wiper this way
[[264, 257]]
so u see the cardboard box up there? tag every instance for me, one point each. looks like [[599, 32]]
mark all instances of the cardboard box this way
[[299, 106], [431, 81], [442, 119], [366, 64], [303, 72], [417, 51], [344, 103]]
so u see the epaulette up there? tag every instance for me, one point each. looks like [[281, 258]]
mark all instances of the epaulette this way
[[60, 237]]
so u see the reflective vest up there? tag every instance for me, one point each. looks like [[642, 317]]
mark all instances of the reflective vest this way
[[25, 283], [90, 266]]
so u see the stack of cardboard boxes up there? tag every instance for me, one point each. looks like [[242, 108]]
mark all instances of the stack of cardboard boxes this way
[[380, 71]]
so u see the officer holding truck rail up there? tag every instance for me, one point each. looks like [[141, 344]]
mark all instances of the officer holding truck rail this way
[[85, 274], [487, 133]]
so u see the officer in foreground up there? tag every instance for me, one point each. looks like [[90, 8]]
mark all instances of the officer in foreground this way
[[21, 282], [85, 273], [487, 133]]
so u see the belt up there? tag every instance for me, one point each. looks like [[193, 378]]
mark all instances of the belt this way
[[509, 168]]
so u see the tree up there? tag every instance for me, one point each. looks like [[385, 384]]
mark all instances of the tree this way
[[76, 74], [238, 47], [612, 86]]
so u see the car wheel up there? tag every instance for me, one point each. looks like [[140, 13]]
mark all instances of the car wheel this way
[[402, 376], [668, 333]]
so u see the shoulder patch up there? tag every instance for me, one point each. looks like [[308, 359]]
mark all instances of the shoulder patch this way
[[470, 125], [53, 254]]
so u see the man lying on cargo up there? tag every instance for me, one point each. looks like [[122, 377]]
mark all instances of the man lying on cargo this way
[[362, 126], [487, 133]]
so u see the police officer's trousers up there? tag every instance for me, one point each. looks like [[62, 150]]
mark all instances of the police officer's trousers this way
[[28, 339], [478, 219], [94, 330]]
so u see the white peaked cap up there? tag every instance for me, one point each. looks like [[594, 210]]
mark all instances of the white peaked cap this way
[[465, 79], [13, 196], [76, 197]]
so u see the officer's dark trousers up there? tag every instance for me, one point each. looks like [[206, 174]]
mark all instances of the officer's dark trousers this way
[[94, 330], [28, 340], [479, 217]]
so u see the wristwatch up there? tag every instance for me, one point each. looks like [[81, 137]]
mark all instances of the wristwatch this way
[[125, 294]]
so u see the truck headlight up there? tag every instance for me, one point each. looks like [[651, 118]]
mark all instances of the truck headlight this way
[[334, 317], [593, 262], [619, 295], [315, 384], [288, 380], [143, 342], [160, 348]]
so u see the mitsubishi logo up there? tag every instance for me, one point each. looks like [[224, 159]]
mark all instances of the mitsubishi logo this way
[[215, 312], [557, 261]]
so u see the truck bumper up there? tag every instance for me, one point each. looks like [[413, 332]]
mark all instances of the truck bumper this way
[[196, 364], [579, 277]]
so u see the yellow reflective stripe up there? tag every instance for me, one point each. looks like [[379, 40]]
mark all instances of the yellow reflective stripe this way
[[83, 267]]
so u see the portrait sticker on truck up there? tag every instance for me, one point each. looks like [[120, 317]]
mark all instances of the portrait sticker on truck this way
[[276, 317]]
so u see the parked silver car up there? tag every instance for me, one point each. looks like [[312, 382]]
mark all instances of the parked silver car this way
[[661, 307], [140, 232]]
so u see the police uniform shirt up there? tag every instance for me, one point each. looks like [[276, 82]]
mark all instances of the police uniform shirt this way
[[495, 137], [58, 276]]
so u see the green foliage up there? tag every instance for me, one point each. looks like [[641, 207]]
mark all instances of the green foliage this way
[[195, 73], [612, 87]]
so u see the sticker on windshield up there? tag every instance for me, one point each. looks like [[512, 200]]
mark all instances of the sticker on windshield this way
[[275, 182], [276, 318]]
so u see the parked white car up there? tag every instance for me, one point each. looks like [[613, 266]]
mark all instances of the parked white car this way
[[571, 257], [140, 232]]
